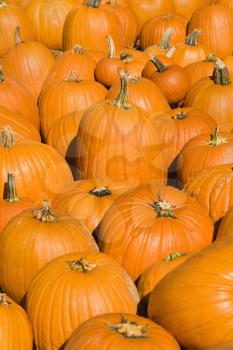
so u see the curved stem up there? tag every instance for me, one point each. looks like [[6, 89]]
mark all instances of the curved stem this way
[[158, 64], [17, 36], [122, 99], [217, 139], [44, 213], [100, 191], [166, 38], [221, 74], [11, 195], [211, 57], [111, 47], [7, 137], [81, 265], [3, 300], [174, 256], [191, 38]]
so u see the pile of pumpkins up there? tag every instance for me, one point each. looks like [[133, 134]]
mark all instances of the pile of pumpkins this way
[[116, 181]]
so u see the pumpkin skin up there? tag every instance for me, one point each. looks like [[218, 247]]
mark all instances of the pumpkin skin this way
[[90, 283], [85, 23], [150, 68], [17, 99], [204, 151], [133, 227], [199, 70], [154, 273], [88, 200], [118, 331], [225, 229], [144, 94], [213, 95], [38, 167], [194, 301], [187, 7], [228, 60], [21, 3], [59, 233], [28, 62], [153, 29], [14, 320], [12, 16], [121, 140], [178, 126], [209, 18], [69, 95], [46, 31], [212, 188]]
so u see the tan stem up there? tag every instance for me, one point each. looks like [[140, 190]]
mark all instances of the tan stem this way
[[211, 57], [81, 265], [17, 36], [3, 4], [3, 300], [111, 47], [164, 209], [100, 191], [44, 213], [221, 74], [158, 64], [11, 195], [7, 137], [217, 139], [170, 52], [129, 329], [122, 99], [174, 256], [78, 49], [93, 3], [166, 39], [192, 38], [72, 77]]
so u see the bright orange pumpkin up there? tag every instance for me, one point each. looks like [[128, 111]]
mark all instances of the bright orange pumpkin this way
[[198, 70], [226, 226]]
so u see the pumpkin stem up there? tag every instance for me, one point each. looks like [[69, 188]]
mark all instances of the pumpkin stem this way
[[56, 53], [81, 265], [174, 256], [126, 57], [129, 329], [7, 137], [164, 209], [217, 139], [72, 77], [122, 99], [111, 47], [3, 4], [170, 52], [1, 76], [179, 116], [11, 195], [113, 3], [44, 213], [100, 191], [158, 64], [166, 38], [17, 37], [3, 300], [191, 38], [78, 49], [221, 74], [93, 3], [211, 57]]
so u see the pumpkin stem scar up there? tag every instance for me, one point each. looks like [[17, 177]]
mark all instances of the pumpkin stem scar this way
[[164, 209], [81, 265], [44, 214], [129, 329]]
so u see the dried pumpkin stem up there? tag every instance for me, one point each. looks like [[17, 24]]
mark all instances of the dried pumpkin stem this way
[[174, 256], [11, 195], [192, 38], [81, 265], [72, 77], [44, 213], [211, 57], [129, 329], [93, 3], [221, 74], [78, 49], [1, 76], [179, 116], [158, 64], [217, 139], [164, 209], [7, 137], [111, 47], [166, 39], [3, 300], [3, 4], [17, 37], [56, 53], [122, 99], [100, 191], [126, 57]]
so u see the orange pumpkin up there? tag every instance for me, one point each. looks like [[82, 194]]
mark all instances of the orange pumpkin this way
[[163, 46], [150, 222], [119, 331], [226, 226], [228, 60], [187, 7], [150, 68], [198, 70], [28, 62], [14, 320], [90, 283], [88, 200]]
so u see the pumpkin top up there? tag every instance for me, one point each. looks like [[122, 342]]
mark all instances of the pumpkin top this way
[[191, 38], [81, 265], [100, 191], [111, 47], [174, 256], [3, 4], [1, 76], [93, 3], [44, 213], [217, 139], [7, 137], [166, 38], [78, 49], [179, 116], [129, 329], [158, 64], [72, 77], [221, 74], [3, 300], [163, 208], [122, 99], [11, 195]]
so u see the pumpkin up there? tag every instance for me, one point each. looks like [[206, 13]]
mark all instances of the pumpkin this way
[[88, 200], [121, 141], [163, 46], [12, 205], [119, 331], [228, 60], [225, 229], [187, 7], [177, 126], [150, 68], [143, 93], [47, 18], [15, 328], [214, 36], [204, 151], [189, 51], [194, 301], [21, 3], [214, 96], [150, 222], [172, 80], [68, 95], [87, 22], [153, 29], [212, 188], [28, 62], [35, 166], [17, 99], [134, 60], [157, 271], [198, 70], [37, 228], [12, 16], [23, 128], [86, 284]]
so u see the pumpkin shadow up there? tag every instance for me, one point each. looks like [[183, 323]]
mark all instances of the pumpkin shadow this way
[[172, 178], [71, 156]]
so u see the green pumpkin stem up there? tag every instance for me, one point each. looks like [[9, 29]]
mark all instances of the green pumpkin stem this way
[[221, 74], [217, 139], [11, 193], [93, 3], [44, 214], [81, 265], [211, 57], [72, 77], [129, 329], [122, 99], [164, 209], [111, 47], [192, 38], [100, 191], [7, 137], [3, 300], [166, 39], [174, 256], [158, 64], [17, 37]]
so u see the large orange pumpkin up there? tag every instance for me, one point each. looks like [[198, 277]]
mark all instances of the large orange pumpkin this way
[[194, 301], [117, 140], [150, 222], [121, 331], [85, 284], [187, 7], [198, 70], [226, 227]]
